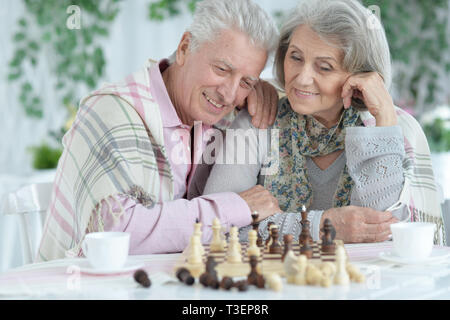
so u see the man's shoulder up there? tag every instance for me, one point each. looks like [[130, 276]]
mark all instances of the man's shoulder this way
[[109, 108]]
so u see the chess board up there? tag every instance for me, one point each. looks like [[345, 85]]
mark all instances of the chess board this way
[[267, 262]]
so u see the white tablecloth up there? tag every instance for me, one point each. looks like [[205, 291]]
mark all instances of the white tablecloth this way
[[62, 279], [10, 244]]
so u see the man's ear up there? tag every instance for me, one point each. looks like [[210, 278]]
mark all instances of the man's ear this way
[[183, 48]]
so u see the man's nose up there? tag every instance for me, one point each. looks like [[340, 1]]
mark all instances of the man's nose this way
[[228, 90]]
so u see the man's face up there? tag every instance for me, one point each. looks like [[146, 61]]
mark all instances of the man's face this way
[[216, 77]]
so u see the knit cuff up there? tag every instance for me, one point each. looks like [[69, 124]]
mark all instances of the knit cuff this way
[[314, 216]]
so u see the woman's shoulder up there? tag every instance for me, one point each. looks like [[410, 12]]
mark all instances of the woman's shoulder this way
[[410, 126]]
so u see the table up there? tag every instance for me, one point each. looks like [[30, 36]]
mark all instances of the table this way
[[61, 279]]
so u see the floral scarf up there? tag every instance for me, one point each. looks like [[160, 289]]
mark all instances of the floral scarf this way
[[303, 136]]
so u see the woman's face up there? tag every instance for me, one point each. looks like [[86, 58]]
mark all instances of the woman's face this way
[[314, 76]]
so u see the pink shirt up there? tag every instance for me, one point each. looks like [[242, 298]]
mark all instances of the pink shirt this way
[[168, 226]]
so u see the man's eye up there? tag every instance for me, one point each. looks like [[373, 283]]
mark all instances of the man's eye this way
[[220, 69], [246, 85]]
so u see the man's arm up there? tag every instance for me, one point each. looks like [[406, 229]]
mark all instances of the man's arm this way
[[167, 227]]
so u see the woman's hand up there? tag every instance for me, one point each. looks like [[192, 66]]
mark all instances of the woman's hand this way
[[359, 224], [262, 104], [369, 87], [261, 200]]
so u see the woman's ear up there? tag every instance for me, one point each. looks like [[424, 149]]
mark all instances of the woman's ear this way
[[183, 48]]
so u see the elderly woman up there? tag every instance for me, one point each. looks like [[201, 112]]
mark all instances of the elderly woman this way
[[344, 150]]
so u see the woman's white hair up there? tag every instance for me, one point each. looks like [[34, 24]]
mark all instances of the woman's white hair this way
[[346, 24], [213, 16]]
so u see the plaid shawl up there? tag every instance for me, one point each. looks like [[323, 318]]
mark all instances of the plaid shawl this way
[[115, 146]]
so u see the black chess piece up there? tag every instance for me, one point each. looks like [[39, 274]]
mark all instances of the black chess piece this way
[[209, 277], [255, 226], [306, 249], [142, 278], [305, 234], [254, 277], [328, 245], [269, 225], [184, 275], [275, 247], [288, 238]]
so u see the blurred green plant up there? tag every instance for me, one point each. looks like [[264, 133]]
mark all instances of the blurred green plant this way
[[45, 156], [162, 9], [438, 135], [75, 54], [419, 40]]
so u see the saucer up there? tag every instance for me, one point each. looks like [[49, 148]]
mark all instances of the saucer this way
[[436, 256], [130, 265]]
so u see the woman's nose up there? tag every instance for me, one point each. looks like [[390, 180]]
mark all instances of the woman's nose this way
[[305, 76]]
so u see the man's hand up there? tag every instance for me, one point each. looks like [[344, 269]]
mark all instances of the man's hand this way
[[261, 200], [262, 104], [359, 224]]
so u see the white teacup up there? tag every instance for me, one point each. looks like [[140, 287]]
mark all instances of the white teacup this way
[[413, 240], [106, 250]]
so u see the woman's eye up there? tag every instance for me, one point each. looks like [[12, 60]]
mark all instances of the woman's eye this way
[[296, 58], [325, 67]]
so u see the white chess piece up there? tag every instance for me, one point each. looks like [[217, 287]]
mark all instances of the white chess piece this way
[[274, 282], [198, 232], [302, 264], [355, 274], [234, 247], [341, 277], [253, 249], [195, 255], [290, 261], [234, 236], [217, 244]]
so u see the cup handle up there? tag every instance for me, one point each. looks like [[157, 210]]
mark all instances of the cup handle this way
[[84, 248]]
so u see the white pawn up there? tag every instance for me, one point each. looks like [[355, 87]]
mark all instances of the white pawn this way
[[198, 232], [234, 247], [253, 249], [195, 255], [302, 264], [234, 236], [217, 244], [328, 269], [341, 277], [274, 282], [354, 273], [290, 261]]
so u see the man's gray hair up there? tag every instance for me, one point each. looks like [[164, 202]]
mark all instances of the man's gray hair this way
[[346, 24], [213, 16]]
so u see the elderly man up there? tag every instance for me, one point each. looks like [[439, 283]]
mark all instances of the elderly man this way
[[127, 163]]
